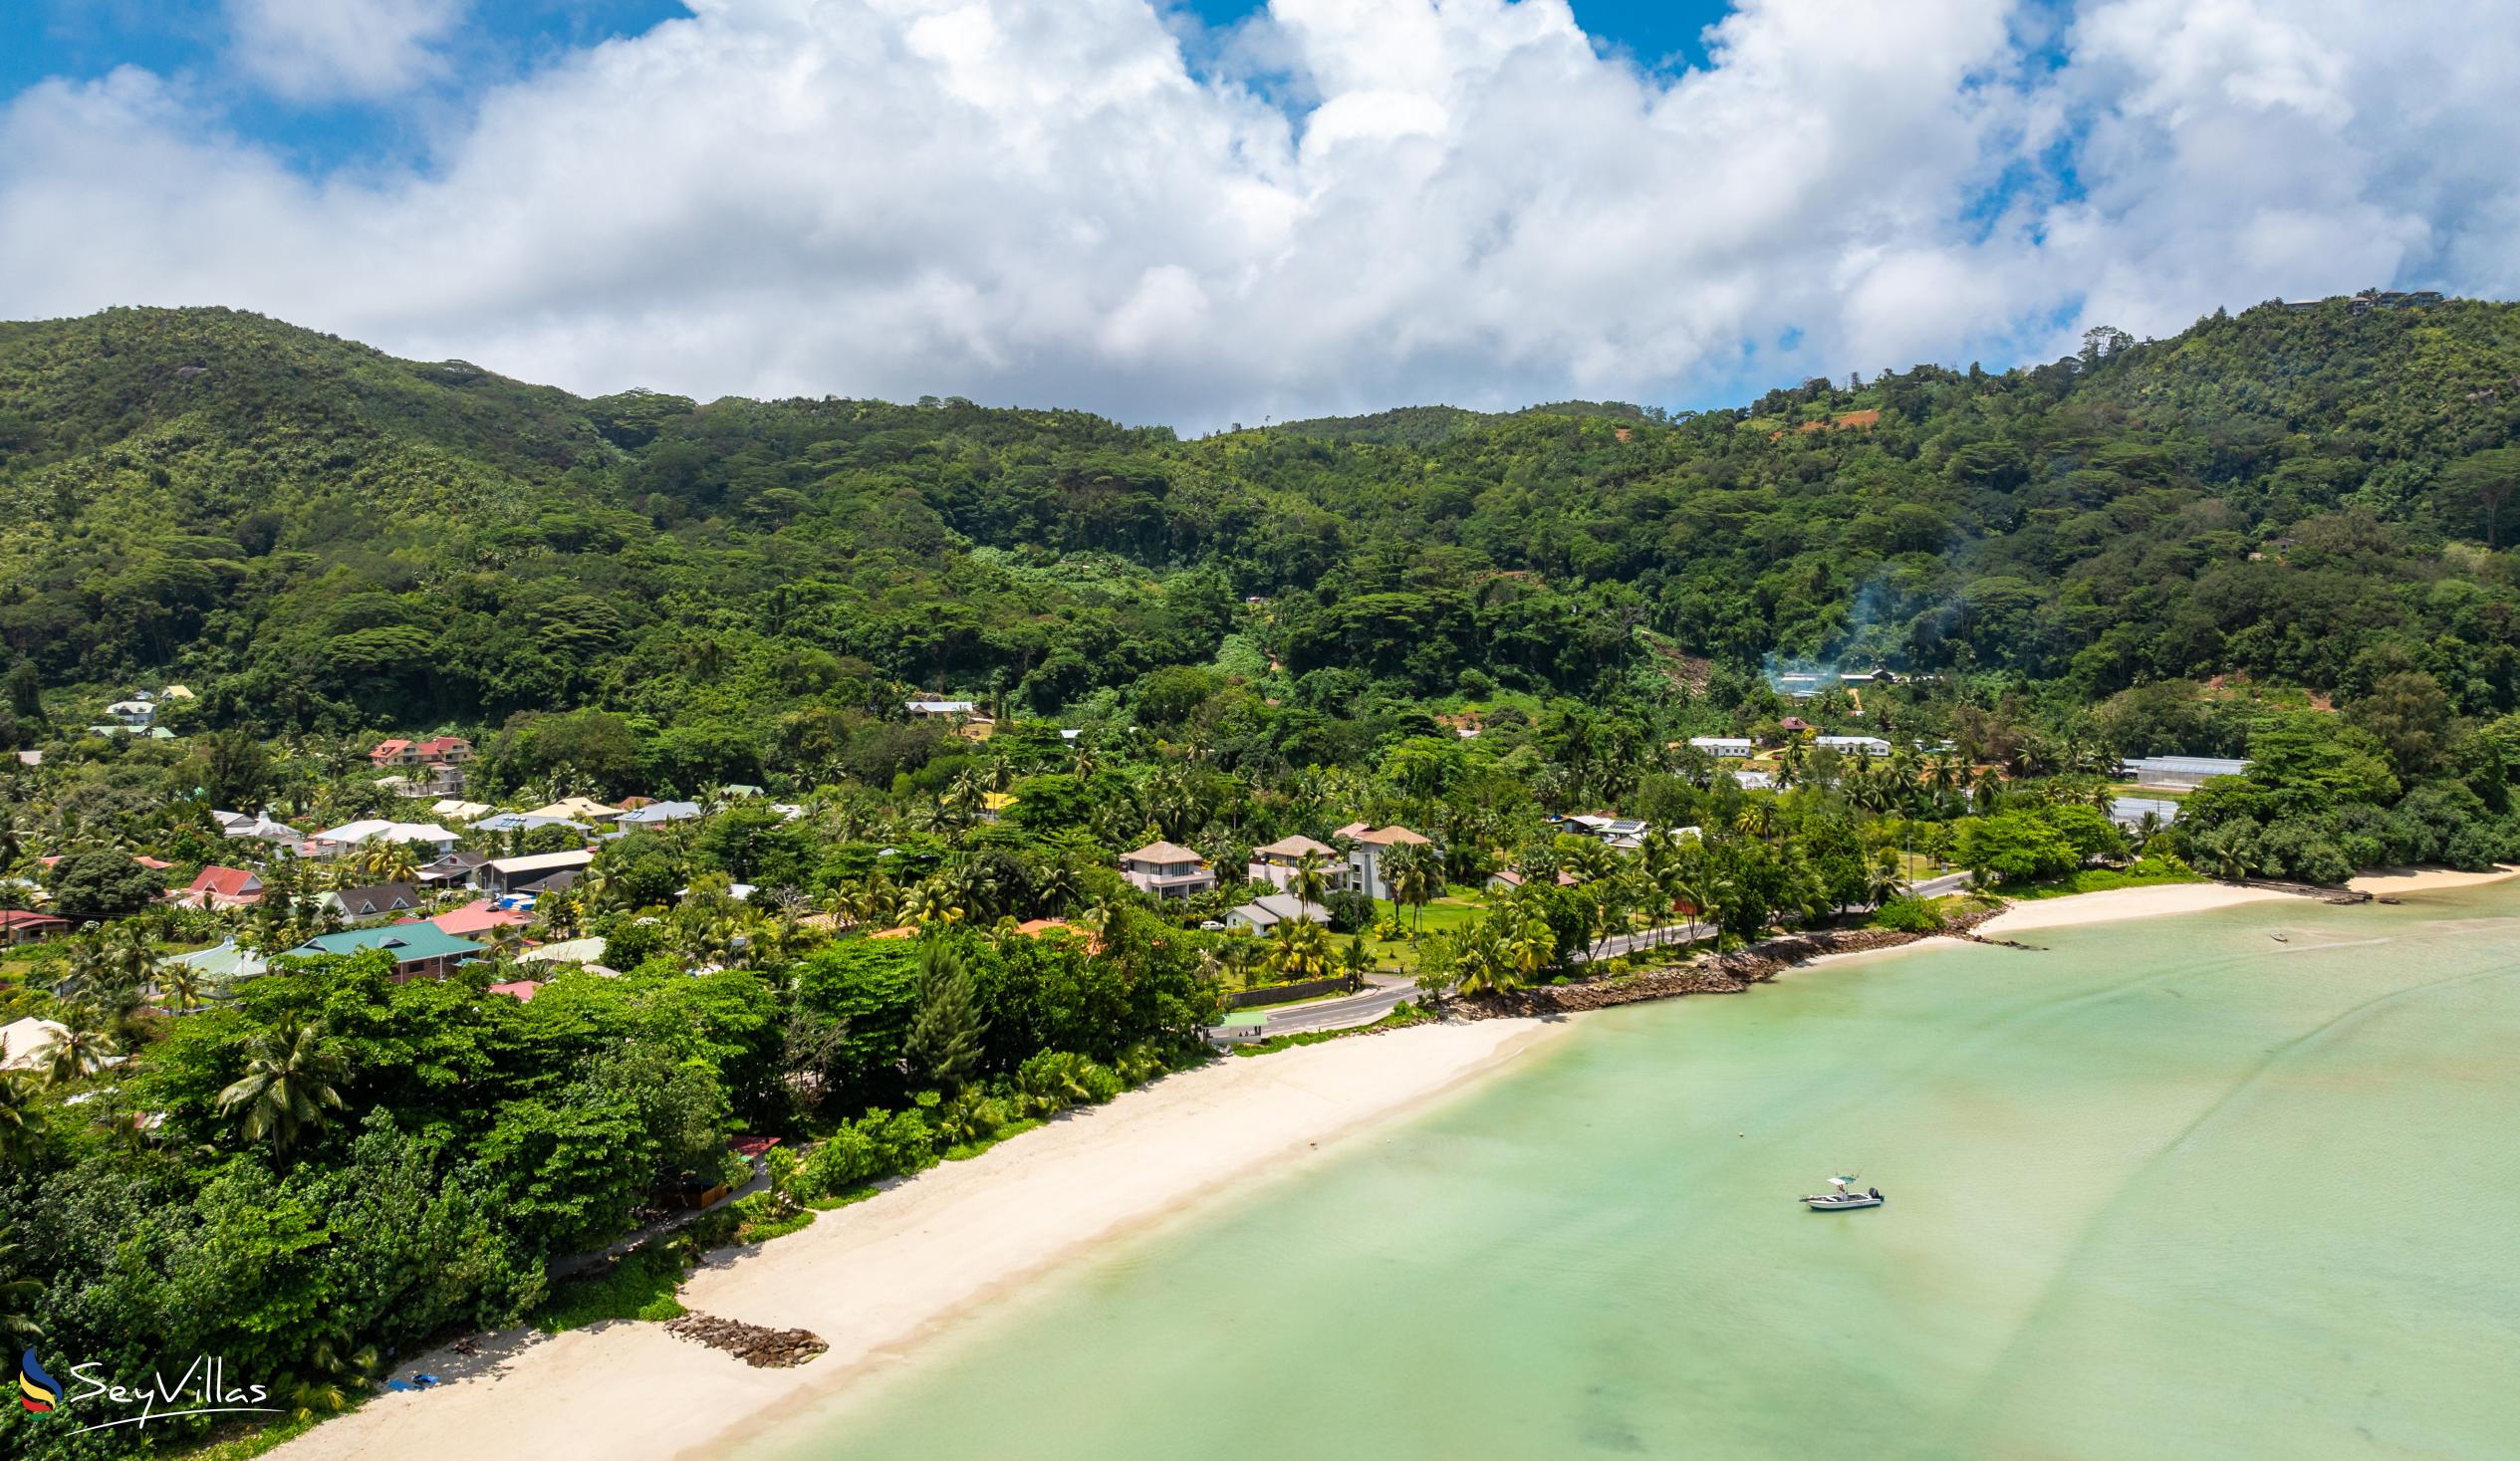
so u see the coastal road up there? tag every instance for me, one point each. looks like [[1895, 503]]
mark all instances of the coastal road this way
[[1382, 992]]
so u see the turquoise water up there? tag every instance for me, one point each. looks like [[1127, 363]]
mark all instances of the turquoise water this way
[[2169, 1189]]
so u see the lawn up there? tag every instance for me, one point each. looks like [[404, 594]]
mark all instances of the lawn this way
[[1457, 909]]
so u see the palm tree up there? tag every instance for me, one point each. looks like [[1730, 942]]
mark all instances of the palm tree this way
[[1534, 948], [181, 985], [1417, 876], [20, 1119], [18, 1298], [80, 1049], [290, 1076], [1298, 949], [1311, 880]]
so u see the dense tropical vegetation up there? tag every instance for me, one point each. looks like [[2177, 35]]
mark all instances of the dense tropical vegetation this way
[[2278, 536]]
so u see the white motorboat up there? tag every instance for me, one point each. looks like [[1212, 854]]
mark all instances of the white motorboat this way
[[1843, 1195]]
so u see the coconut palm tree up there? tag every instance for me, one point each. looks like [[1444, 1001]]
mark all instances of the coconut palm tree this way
[[79, 1049], [22, 1118], [1311, 879], [18, 1298], [181, 985], [1415, 874], [1298, 949], [292, 1077]]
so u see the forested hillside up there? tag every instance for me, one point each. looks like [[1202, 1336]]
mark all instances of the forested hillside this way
[[322, 537]]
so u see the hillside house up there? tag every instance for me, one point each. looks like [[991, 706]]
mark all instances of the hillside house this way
[[419, 950], [1855, 745], [948, 712], [382, 901], [18, 926], [502, 876], [1167, 871], [1277, 864], [1723, 748], [335, 841], [223, 887], [1370, 851], [1264, 913]]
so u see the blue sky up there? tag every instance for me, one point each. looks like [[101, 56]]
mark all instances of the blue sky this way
[[1323, 207], [500, 39]]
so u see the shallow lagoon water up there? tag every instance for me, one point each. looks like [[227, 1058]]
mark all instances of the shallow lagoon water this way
[[2168, 1188]]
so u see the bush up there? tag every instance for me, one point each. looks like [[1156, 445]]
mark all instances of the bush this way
[[1350, 911], [1908, 915]]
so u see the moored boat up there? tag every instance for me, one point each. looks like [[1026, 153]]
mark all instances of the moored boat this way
[[1843, 1195]]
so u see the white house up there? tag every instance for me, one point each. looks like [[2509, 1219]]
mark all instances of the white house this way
[[1277, 864], [1264, 913], [1739, 748], [1853, 745], [1167, 871], [1367, 858], [940, 709], [374, 828]]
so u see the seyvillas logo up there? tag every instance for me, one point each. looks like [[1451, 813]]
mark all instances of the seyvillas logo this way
[[203, 1388], [37, 1391]]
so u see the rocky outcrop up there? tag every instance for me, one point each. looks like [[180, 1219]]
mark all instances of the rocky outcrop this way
[[756, 1346], [1710, 973]]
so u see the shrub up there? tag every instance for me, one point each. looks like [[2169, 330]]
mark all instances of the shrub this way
[[1908, 915]]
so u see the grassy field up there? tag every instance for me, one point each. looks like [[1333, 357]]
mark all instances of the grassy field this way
[[1457, 908]]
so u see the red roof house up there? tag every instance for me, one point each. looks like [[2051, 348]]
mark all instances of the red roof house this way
[[474, 918], [522, 991], [17, 926], [223, 887]]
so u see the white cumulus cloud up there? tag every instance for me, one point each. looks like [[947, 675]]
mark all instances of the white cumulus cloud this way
[[323, 50], [1410, 201]]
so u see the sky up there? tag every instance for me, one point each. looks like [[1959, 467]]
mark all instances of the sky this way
[[1201, 213]]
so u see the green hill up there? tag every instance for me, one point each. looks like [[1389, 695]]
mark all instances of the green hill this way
[[320, 536]]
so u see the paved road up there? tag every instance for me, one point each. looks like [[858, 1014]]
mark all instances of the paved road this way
[[1388, 989]]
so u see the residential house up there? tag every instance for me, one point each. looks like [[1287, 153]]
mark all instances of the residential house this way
[[1627, 831], [1755, 781], [1738, 748], [577, 809], [26, 1044], [658, 813], [519, 990], [335, 840], [567, 878], [262, 828], [950, 711], [1795, 725], [382, 901], [451, 869], [1855, 745], [474, 919], [223, 887], [1277, 864], [392, 753], [977, 728], [419, 950], [1369, 858], [1167, 871], [588, 950], [1507, 879], [456, 810], [224, 964], [132, 713], [439, 781], [1268, 911], [18, 926], [512, 874], [525, 822]]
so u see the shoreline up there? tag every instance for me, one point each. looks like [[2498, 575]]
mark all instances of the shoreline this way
[[2388, 883], [878, 1280]]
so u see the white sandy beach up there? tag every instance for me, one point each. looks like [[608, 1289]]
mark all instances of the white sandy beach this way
[[876, 1278], [2121, 902], [2425, 880]]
